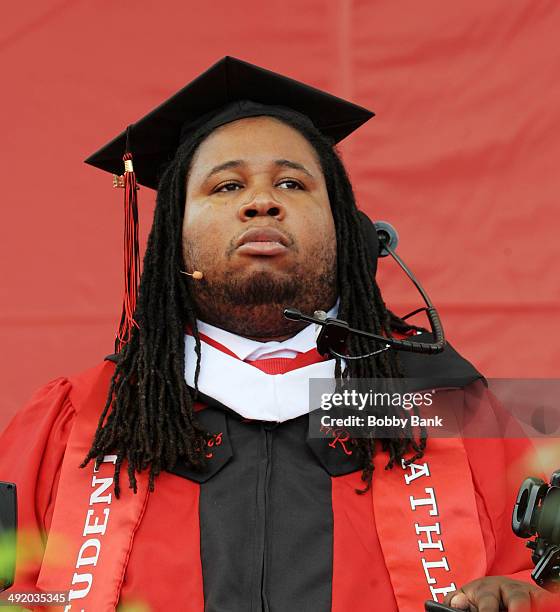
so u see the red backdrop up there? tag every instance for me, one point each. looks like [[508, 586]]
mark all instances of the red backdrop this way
[[462, 157]]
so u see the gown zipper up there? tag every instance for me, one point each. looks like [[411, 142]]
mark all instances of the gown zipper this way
[[263, 497]]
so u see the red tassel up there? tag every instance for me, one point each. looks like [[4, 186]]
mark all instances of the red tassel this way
[[131, 255]]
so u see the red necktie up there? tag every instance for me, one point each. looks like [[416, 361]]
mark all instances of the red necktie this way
[[281, 365], [274, 365]]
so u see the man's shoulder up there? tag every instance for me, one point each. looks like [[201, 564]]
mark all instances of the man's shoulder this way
[[57, 402], [448, 367], [101, 368], [93, 381]]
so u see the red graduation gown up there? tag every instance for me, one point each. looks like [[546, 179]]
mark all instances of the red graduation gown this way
[[443, 522]]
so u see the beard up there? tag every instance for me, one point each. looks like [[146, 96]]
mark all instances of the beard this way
[[251, 304]]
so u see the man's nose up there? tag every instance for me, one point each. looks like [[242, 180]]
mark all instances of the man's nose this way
[[262, 204]]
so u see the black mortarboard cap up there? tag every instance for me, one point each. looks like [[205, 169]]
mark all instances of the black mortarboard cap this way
[[232, 89]]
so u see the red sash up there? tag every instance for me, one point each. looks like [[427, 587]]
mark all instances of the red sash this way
[[91, 533], [428, 524]]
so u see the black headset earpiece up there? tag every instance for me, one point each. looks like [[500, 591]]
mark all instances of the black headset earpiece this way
[[376, 235], [370, 239]]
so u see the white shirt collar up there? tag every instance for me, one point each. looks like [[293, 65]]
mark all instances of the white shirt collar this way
[[247, 349], [251, 393]]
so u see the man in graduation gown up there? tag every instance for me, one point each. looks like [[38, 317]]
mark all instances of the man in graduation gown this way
[[181, 473]]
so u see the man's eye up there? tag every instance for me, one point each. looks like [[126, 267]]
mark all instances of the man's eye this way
[[290, 184], [227, 187]]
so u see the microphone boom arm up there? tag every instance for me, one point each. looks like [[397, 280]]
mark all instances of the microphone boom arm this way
[[335, 331]]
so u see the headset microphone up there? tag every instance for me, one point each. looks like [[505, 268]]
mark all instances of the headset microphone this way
[[197, 274], [381, 239]]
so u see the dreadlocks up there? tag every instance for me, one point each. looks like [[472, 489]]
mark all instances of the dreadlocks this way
[[149, 419]]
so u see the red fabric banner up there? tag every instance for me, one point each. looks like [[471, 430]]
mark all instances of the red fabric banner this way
[[461, 157]]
